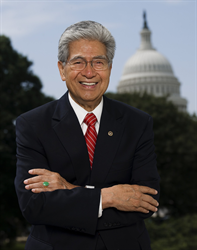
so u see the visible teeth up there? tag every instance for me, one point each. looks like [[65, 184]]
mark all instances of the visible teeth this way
[[88, 83]]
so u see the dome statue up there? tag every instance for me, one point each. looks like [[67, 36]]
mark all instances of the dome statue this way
[[149, 71]]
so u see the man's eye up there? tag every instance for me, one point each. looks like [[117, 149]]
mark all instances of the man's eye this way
[[77, 62], [99, 62]]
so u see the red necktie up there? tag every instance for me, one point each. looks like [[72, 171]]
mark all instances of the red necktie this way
[[90, 135]]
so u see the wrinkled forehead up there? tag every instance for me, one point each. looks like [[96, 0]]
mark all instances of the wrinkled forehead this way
[[87, 49]]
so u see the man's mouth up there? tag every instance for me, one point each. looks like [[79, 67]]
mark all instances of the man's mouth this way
[[88, 83]]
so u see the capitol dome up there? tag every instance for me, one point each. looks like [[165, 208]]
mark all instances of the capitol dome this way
[[149, 71]]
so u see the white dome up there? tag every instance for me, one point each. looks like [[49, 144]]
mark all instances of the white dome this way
[[146, 63], [149, 71]]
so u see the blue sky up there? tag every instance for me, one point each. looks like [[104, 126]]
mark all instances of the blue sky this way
[[36, 26]]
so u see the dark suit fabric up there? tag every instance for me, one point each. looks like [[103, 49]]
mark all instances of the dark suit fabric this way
[[50, 137]]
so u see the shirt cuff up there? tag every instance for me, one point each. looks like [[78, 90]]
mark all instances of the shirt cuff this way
[[100, 212], [100, 208]]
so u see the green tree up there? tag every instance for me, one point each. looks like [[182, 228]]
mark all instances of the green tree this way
[[173, 234], [176, 149], [20, 91]]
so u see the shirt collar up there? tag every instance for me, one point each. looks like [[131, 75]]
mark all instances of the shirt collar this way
[[81, 112]]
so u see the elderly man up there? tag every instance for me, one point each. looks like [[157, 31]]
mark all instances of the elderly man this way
[[86, 167]]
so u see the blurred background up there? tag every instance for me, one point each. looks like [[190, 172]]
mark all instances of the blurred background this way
[[157, 75]]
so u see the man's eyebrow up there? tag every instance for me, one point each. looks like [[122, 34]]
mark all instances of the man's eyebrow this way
[[95, 57], [100, 57], [76, 57]]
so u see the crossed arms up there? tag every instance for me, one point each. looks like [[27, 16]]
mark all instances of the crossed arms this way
[[124, 197]]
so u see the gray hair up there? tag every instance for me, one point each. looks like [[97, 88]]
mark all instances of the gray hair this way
[[88, 30]]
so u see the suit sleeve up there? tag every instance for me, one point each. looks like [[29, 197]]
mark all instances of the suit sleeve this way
[[144, 172], [75, 209]]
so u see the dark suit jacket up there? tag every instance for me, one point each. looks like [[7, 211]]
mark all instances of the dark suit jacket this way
[[50, 137]]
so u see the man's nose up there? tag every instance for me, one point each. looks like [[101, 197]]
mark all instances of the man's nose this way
[[89, 71]]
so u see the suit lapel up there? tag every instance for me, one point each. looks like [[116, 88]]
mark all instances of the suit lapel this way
[[68, 130], [108, 139]]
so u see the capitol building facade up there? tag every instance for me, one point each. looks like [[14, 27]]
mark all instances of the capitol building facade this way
[[149, 71]]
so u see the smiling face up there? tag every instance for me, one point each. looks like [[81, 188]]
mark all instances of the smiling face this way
[[86, 87]]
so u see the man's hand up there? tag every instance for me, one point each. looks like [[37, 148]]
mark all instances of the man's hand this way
[[35, 184], [129, 198]]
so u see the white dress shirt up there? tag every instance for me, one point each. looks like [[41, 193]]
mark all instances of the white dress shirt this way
[[81, 114]]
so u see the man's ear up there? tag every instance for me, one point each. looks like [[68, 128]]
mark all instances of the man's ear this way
[[61, 70]]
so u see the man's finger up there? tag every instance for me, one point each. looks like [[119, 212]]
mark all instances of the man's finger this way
[[36, 179], [35, 185], [148, 206], [150, 200], [39, 190], [147, 190], [45, 189], [39, 171]]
